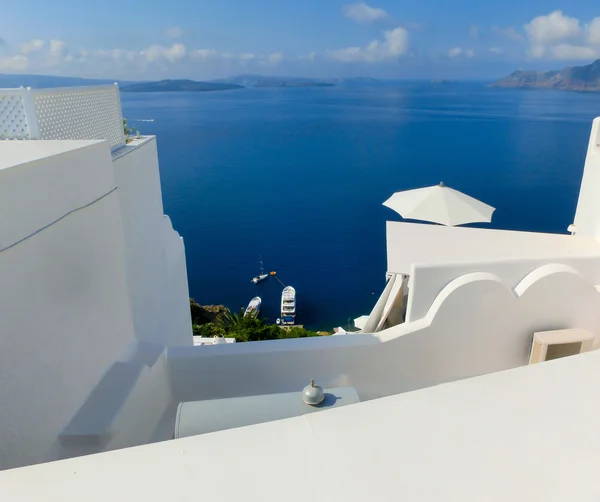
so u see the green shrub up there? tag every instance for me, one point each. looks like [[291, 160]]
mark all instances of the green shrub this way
[[243, 329]]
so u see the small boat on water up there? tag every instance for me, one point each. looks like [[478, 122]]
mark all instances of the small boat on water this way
[[262, 276], [288, 306], [253, 307]]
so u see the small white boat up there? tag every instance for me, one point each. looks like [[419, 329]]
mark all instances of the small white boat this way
[[262, 276], [253, 307], [288, 306]]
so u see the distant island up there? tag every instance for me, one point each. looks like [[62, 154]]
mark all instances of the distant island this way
[[575, 78], [179, 86], [231, 83], [263, 81]]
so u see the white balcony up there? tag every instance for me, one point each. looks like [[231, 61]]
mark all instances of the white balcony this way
[[70, 113]]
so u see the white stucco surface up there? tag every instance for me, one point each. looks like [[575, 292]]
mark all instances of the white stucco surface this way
[[45, 182], [92, 272], [65, 315], [155, 255], [427, 281], [415, 243], [15, 153], [587, 215], [477, 325], [525, 434]]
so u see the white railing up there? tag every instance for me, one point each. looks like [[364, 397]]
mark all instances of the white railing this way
[[13, 119], [66, 113]]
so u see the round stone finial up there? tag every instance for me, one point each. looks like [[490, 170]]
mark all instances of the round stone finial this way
[[313, 394], [219, 339]]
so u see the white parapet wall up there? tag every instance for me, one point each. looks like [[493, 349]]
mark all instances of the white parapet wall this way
[[587, 216], [65, 313], [428, 281], [156, 267], [479, 323], [95, 290]]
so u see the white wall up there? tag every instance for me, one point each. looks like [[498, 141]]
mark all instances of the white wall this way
[[530, 434], [427, 281], [155, 255], [65, 315], [587, 215], [94, 288], [477, 325], [416, 243]]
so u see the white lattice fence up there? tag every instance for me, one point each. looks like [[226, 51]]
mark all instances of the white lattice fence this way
[[80, 113], [13, 120], [66, 113]]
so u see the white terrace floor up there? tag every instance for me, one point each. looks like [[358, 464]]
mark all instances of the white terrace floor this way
[[507, 436]]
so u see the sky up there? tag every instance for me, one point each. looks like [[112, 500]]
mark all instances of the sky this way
[[209, 39]]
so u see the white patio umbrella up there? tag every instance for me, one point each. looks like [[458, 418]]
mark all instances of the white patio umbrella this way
[[440, 204]]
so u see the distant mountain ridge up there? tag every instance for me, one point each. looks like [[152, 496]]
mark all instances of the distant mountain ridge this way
[[575, 78], [179, 86], [235, 82], [266, 81]]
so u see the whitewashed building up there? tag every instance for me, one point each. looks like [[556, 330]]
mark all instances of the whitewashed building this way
[[96, 350]]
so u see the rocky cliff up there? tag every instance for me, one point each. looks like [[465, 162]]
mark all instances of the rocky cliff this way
[[575, 78]]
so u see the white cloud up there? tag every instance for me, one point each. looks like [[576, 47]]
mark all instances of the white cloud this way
[[558, 36], [156, 61], [311, 56], [58, 48], [157, 53], [204, 54], [495, 50], [18, 62], [509, 33], [363, 13], [122, 55], [455, 52], [39, 54], [34, 45], [174, 32], [568, 51], [470, 53], [275, 58], [552, 28], [394, 45], [396, 42], [474, 32], [593, 31]]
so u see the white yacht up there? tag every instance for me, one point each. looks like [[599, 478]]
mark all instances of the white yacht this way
[[262, 276], [288, 305], [253, 307]]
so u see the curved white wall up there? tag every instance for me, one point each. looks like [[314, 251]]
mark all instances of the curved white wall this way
[[427, 281], [477, 325]]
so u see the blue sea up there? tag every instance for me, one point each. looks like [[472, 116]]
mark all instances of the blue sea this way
[[299, 176]]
